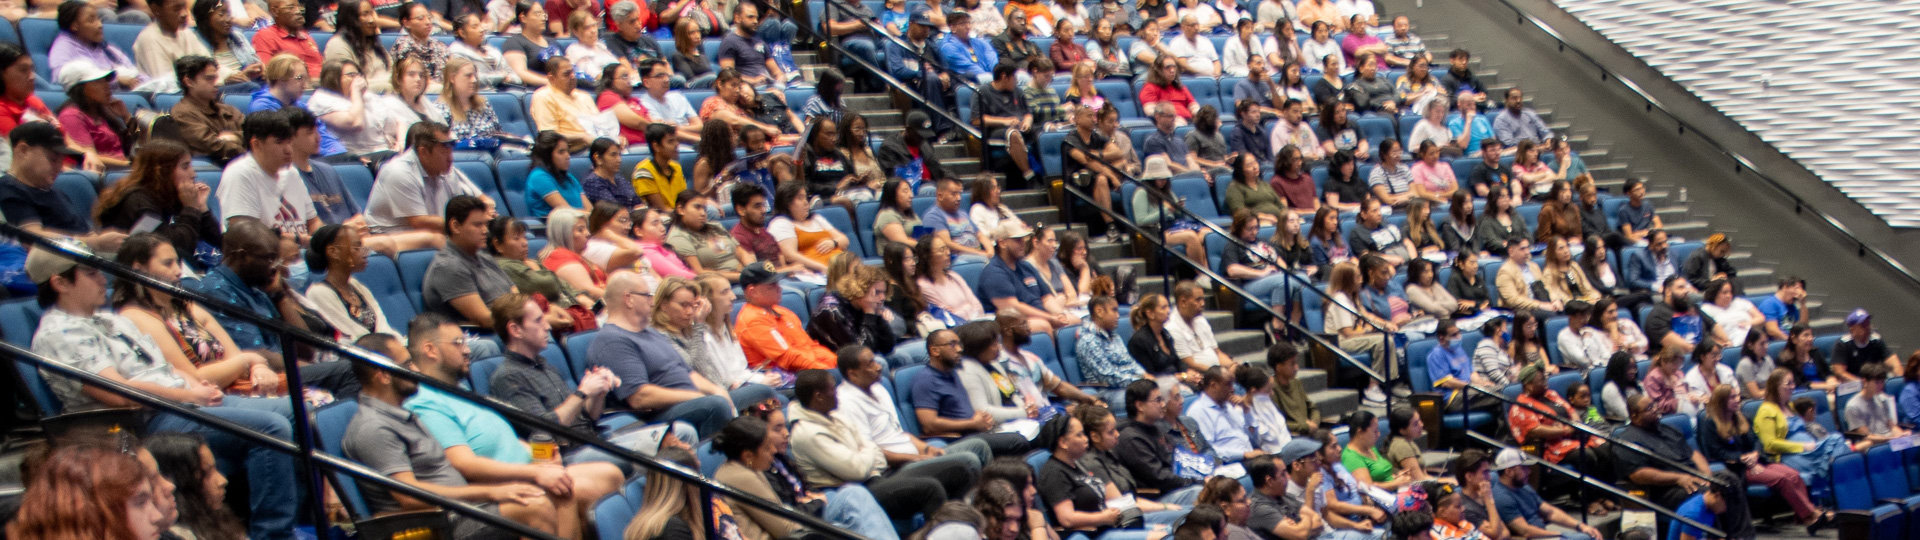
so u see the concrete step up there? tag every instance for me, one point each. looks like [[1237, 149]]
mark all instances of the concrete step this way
[[1038, 214], [1238, 342], [1334, 403], [869, 103], [1026, 198]]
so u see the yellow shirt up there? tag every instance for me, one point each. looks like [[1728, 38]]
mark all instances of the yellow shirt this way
[[1770, 424], [565, 115], [647, 180]]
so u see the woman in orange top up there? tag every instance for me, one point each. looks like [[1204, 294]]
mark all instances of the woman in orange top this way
[[804, 236]]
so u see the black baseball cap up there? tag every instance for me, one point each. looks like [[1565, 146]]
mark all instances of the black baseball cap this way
[[43, 135], [922, 125], [760, 273]]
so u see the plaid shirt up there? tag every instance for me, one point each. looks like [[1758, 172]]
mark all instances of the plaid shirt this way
[[535, 387], [1045, 104]]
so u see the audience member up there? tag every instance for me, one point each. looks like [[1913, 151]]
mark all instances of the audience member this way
[[414, 185], [1728, 439], [340, 299], [93, 491], [566, 310], [1872, 414], [560, 106], [1281, 508], [206, 125], [1077, 498], [1784, 307], [197, 345], [854, 312], [942, 408], [83, 39], [770, 333], [653, 379], [1225, 424], [830, 453], [161, 187], [1528, 515], [528, 51], [288, 35], [358, 41], [27, 196], [1660, 472], [1709, 263], [1517, 123], [868, 406]]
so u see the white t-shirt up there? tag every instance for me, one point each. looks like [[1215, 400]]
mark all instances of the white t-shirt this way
[[1199, 52], [1194, 341], [1736, 319], [1425, 131], [371, 136], [986, 221], [1316, 54], [874, 416], [279, 199], [599, 251], [1349, 8], [784, 228], [1338, 319], [1234, 60]]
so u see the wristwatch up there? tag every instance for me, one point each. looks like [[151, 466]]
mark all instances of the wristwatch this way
[[579, 394]]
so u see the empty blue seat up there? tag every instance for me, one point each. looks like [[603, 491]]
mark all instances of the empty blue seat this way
[[1852, 491], [9, 35], [903, 396], [1197, 196], [36, 35], [837, 216], [18, 320], [382, 278], [1120, 95], [1206, 92], [413, 273], [359, 182], [122, 36], [577, 346], [512, 115], [513, 185], [79, 192], [1376, 129], [481, 174], [798, 304], [330, 427], [864, 214], [611, 514], [480, 374]]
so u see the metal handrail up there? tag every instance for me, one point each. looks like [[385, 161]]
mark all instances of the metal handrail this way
[[1741, 163], [1326, 299], [878, 31], [1610, 489], [833, 43], [1202, 267], [358, 355], [1586, 431], [361, 472]]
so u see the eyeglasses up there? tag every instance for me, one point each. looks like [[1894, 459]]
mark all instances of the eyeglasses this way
[[954, 343]]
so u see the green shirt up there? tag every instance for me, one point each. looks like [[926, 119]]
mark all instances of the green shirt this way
[[1377, 466], [1259, 198], [535, 278]]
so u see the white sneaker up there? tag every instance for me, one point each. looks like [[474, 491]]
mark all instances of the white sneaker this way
[[1373, 396]]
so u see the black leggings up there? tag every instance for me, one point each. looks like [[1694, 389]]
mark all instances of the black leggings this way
[[903, 496]]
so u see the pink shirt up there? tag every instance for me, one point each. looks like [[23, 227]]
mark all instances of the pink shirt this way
[[91, 132], [954, 297], [1354, 42], [1436, 177], [1663, 390], [664, 261]]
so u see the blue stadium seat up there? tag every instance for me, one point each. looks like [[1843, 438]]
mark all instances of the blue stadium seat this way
[[164, 102], [1552, 333], [555, 356], [480, 374], [1375, 129], [864, 214], [9, 35], [911, 353], [1043, 347], [330, 427], [1610, 206], [481, 174], [837, 216], [1417, 374], [1889, 478], [36, 36], [382, 278], [1852, 491], [513, 185], [577, 346], [122, 36], [1069, 357], [359, 182], [320, 38], [18, 320], [1121, 95], [1052, 156], [1225, 104], [903, 396], [798, 304], [813, 298], [1198, 195], [1206, 91], [611, 514], [970, 271], [512, 115], [79, 192], [243, 102], [963, 102], [710, 459], [1463, 167], [413, 273], [1564, 382]]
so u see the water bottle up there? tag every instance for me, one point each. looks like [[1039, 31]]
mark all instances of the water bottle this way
[[1683, 194], [544, 449]]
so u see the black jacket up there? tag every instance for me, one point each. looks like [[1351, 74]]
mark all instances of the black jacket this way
[[839, 323], [1146, 450]]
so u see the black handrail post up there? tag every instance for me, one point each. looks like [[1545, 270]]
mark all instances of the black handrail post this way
[[303, 434]]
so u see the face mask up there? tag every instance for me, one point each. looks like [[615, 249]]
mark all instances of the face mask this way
[[1506, 336]]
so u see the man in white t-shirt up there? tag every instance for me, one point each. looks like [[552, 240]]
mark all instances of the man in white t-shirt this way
[[1192, 335], [260, 185], [1201, 58], [666, 106], [869, 408]]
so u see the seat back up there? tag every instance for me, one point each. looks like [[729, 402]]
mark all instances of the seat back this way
[[359, 182], [1822, 413], [903, 396], [1553, 328], [798, 304], [1683, 423], [1038, 458], [480, 374], [513, 185], [413, 274], [838, 216], [1417, 373], [913, 353], [481, 174], [864, 214], [1120, 95], [382, 278], [1198, 195], [511, 113], [1564, 382], [330, 425], [1042, 345], [1886, 473], [36, 35], [577, 346], [611, 514], [79, 192], [18, 320]]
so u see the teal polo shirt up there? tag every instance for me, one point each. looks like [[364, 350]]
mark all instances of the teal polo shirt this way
[[457, 422]]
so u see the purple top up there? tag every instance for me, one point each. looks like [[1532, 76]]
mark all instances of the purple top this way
[[67, 48]]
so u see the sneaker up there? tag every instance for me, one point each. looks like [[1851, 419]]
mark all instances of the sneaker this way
[[1373, 396]]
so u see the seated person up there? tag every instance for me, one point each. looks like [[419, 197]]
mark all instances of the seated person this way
[[1664, 484], [83, 38], [1035, 381], [563, 108], [867, 405], [96, 122], [27, 197], [413, 186], [250, 277], [207, 125], [1224, 423], [1289, 393], [941, 405], [1154, 433], [1103, 460], [332, 205], [461, 281], [74, 331], [981, 375], [1009, 283], [831, 453], [1103, 356], [1279, 507], [771, 333], [1372, 234], [478, 442], [654, 381], [1527, 515], [952, 225], [279, 198], [1872, 414], [1557, 440], [1076, 497], [396, 442], [1521, 283], [348, 110], [1192, 334]]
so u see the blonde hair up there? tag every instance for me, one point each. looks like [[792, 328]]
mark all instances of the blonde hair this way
[[668, 288], [857, 281], [456, 110], [711, 283], [839, 267], [1084, 67], [666, 498], [578, 20], [283, 67]]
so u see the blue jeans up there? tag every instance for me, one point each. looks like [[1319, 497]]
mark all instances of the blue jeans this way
[[1169, 518], [708, 414], [703, 81], [779, 33], [273, 490], [853, 508], [1273, 288], [1184, 497], [863, 47]]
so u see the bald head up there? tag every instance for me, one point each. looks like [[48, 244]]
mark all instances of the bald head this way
[[628, 300]]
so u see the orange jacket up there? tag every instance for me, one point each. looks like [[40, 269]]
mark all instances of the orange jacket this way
[[775, 336]]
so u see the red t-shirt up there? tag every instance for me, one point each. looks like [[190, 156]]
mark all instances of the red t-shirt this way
[[1181, 98], [559, 10], [12, 113], [608, 99]]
